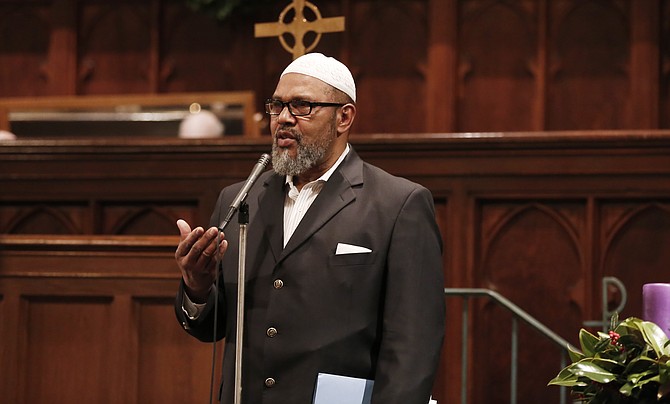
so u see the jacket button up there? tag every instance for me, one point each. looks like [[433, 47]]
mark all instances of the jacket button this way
[[278, 284], [270, 382], [271, 332]]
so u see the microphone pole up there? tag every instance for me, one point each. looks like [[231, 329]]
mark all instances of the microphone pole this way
[[243, 219]]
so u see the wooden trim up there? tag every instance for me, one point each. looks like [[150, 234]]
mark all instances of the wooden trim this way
[[86, 243]]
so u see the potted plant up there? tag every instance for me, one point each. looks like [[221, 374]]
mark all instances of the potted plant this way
[[629, 364]]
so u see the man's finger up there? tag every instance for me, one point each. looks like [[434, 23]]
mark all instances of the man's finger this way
[[184, 228], [189, 243], [211, 236]]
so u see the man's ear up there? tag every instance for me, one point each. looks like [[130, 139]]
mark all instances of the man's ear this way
[[346, 118]]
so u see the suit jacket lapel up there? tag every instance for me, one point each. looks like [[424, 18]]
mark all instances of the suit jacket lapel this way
[[335, 195], [271, 207]]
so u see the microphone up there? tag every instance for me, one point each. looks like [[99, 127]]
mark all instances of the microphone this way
[[242, 195]]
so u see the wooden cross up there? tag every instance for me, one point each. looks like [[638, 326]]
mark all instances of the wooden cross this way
[[298, 27]]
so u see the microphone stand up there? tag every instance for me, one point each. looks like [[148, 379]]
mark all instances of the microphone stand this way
[[243, 220]]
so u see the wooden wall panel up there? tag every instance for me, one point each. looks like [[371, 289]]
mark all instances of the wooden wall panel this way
[[91, 319], [115, 48], [421, 65], [94, 216], [645, 33], [42, 218], [589, 65], [540, 217], [199, 54], [60, 330], [664, 65], [497, 89], [187, 42], [168, 357], [389, 66], [634, 245], [24, 49], [521, 244]]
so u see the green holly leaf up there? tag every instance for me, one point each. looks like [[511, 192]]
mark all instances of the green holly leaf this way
[[588, 342], [574, 354], [566, 378], [631, 364], [655, 337], [594, 369]]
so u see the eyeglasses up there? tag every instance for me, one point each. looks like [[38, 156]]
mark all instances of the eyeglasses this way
[[295, 107]]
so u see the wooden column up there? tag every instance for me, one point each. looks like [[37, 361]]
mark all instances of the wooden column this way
[[540, 114], [61, 68], [644, 68], [442, 62], [155, 47]]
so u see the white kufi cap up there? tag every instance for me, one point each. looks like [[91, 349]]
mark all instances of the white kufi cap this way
[[203, 124], [327, 69]]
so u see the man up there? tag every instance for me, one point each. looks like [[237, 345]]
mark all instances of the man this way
[[343, 260]]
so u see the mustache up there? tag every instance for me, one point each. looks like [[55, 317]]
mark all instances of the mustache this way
[[285, 131]]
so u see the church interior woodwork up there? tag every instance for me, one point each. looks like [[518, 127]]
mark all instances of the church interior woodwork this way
[[542, 128]]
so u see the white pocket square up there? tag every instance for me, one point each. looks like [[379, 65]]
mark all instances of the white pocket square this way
[[343, 248]]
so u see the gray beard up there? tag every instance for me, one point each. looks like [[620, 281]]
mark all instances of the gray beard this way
[[308, 156]]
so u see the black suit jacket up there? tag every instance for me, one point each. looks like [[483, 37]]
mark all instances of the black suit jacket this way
[[376, 315]]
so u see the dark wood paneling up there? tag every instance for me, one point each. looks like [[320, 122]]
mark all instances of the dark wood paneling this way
[[24, 49], [420, 65], [488, 66], [114, 48], [59, 329], [91, 319], [539, 217], [521, 244], [589, 65], [162, 346], [634, 241], [389, 65]]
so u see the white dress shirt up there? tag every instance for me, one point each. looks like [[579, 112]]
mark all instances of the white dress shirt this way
[[297, 202]]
